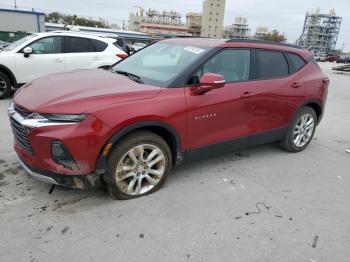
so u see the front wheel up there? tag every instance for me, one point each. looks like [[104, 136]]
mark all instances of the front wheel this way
[[138, 165], [5, 85], [301, 130]]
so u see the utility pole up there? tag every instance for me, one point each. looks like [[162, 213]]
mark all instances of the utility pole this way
[[123, 24], [15, 4]]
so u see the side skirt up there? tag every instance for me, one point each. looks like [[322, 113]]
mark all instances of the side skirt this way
[[232, 145]]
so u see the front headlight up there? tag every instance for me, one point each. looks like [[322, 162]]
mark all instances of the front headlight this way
[[64, 118], [36, 120]]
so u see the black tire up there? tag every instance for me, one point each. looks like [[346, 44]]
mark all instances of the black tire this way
[[5, 85], [121, 148], [288, 141]]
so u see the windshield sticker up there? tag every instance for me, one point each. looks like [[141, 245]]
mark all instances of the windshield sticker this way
[[193, 49]]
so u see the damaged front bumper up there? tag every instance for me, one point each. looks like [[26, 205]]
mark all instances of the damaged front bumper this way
[[70, 181]]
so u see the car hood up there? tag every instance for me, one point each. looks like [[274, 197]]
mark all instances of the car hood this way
[[80, 91]]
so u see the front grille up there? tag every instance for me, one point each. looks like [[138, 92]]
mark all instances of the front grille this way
[[21, 135], [24, 113]]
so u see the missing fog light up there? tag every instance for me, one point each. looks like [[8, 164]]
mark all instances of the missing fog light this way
[[62, 156]]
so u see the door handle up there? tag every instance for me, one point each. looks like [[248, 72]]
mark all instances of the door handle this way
[[96, 58], [247, 94], [296, 85], [58, 60]]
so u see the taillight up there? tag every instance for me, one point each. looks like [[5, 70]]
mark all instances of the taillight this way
[[122, 55], [325, 82]]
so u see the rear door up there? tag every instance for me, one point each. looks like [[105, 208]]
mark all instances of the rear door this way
[[273, 93], [47, 58], [80, 53]]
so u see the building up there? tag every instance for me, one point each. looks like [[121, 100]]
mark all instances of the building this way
[[320, 31], [14, 24], [194, 23], [260, 32], [213, 18], [158, 24], [239, 29]]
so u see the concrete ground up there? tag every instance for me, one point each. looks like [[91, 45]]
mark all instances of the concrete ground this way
[[258, 204]]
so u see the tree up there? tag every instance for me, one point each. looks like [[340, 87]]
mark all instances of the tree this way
[[274, 36], [56, 17]]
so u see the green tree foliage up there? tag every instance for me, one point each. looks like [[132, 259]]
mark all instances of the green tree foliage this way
[[274, 36], [56, 17]]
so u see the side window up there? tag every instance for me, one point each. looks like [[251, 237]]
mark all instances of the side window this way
[[297, 62], [99, 45], [78, 45], [270, 64], [47, 45], [233, 64]]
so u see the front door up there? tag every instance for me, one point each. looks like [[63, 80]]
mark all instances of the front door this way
[[219, 115], [47, 58]]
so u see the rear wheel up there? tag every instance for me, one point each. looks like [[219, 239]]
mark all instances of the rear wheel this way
[[5, 85], [138, 165], [301, 130]]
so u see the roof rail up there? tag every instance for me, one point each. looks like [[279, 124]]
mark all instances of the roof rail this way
[[262, 42]]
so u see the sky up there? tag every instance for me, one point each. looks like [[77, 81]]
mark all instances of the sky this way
[[285, 16]]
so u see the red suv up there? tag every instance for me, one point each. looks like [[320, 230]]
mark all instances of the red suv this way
[[177, 99]]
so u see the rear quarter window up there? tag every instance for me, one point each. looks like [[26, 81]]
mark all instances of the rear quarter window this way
[[297, 62]]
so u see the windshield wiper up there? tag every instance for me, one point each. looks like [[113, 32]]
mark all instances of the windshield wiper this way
[[133, 77]]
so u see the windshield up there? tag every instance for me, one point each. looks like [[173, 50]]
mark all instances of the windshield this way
[[14, 45], [160, 63]]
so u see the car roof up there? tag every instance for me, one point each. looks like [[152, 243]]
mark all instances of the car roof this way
[[241, 43], [74, 33]]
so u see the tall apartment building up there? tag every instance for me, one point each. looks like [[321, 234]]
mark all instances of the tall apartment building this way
[[213, 18]]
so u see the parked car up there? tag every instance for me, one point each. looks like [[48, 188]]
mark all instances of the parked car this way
[[343, 59], [3, 44], [332, 58], [121, 43], [179, 99], [46, 53], [321, 57], [138, 46]]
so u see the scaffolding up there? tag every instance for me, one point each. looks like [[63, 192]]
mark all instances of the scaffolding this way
[[156, 23], [239, 29], [261, 32], [194, 23], [320, 32]]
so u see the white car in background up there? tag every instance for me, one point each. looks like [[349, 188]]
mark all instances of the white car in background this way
[[41, 54], [138, 46]]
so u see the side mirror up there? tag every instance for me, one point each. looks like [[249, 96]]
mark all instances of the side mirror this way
[[208, 82], [27, 51]]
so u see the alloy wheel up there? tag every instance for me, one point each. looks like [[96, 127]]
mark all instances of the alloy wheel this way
[[303, 130], [140, 169]]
